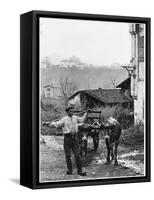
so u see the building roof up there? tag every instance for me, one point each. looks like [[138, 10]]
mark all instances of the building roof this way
[[105, 95], [125, 84], [51, 86]]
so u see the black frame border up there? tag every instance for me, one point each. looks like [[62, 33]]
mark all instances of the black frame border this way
[[29, 98]]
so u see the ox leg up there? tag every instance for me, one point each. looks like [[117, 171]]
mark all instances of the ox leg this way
[[80, 142], [85, 149], [112, 153], [84, 146], [96, 141], [115, 153], [108, 151]]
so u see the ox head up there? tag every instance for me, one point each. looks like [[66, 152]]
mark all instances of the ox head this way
[[109, 123]]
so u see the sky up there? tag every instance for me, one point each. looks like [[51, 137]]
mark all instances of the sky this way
[[94, 42]]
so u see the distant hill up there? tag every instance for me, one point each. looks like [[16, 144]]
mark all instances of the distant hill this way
[[90, 77]]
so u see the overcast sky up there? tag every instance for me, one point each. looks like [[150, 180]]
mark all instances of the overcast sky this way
[[98, 43]]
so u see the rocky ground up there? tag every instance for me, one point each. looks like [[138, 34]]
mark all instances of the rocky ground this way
[[53, 165]]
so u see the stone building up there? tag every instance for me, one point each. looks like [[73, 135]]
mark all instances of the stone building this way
[[136, 69], [51, 91], [72, 62], [100, 98], [49, 96]]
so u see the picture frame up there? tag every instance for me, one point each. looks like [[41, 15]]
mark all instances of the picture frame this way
[[30, 98]]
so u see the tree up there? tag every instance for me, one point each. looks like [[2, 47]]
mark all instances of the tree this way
[[113, 81], [68, 87]]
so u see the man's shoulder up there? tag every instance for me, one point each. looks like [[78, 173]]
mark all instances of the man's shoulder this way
[[63, 119]]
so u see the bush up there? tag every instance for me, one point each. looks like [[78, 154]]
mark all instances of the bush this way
[[49, 116], [56, 111], [107, 112], [123, 115], [134, 135]]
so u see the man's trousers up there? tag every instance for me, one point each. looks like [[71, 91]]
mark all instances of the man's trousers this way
[[71, 143]]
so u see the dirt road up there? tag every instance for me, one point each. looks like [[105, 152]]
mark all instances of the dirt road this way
[[53, 165]]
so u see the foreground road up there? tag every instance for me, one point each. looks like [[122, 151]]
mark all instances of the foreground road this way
[[53, 165]]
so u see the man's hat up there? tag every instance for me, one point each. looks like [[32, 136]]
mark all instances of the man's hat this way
[[68, 108]]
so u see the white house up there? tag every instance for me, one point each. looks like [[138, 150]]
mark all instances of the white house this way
[[71, 62], [137, 69], [51, 91]]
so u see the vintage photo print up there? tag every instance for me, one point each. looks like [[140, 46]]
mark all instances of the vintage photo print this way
[[92, 99]]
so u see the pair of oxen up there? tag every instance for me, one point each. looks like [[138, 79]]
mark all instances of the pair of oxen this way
[[111, 130]]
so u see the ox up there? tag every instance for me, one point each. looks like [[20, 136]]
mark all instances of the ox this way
[[85, 131], [112, 131]]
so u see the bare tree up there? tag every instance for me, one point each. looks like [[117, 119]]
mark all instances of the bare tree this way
[[113, 81], [68, 87]]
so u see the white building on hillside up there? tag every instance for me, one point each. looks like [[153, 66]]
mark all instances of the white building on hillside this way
[[51, 91], [72, 62]]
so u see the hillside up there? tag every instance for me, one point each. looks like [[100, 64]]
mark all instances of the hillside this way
[[86, 77]]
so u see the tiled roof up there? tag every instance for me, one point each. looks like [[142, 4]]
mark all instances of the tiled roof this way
[[106, 95], [125, 84], [51, 86]]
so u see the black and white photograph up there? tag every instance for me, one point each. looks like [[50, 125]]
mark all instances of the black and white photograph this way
[[92, 99]]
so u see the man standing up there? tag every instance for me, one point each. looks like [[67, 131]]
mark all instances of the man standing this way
[[69, 125]]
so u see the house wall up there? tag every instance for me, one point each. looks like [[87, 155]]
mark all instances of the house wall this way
[[51, 92], [47, 92], [75, 101], [137, 81], [82, 101]]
